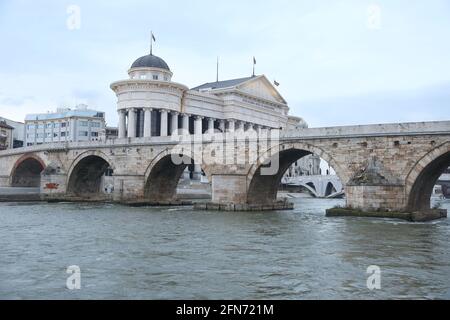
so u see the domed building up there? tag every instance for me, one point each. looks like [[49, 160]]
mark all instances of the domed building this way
[[150, 104]]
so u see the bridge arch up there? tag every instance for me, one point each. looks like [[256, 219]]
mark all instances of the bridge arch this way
[[424, 175], [163, 174], [86, 171], [27, 171], [264, 188], [330, 189]]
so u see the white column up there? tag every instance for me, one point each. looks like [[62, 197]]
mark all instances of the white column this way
[[198, 134], [131, 123], [185, 128], [147, 122], [122, 124], [240, 126], [198, 128], [164, 132], [186, 124], [231, 125], [174, 124], [258, 129], [222, 125], [211, 125]]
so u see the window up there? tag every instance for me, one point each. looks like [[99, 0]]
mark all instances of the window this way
[[31, 127], [155, 77], [49, 125], [55, 135], [94, 134], [40, 126], [83, 123], [95, 124], [143, 76], [63, 134], [48, 134], [64, 124], [57, 125], [83, 133]]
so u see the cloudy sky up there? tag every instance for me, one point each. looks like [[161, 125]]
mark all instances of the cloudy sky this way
[[338, 62]]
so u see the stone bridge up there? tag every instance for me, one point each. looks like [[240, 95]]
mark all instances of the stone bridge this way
[[320, 186], [390, 166]]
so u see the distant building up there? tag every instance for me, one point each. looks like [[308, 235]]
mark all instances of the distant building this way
[[18, 133], [306, 166], [6, 135], [110, 133], [79, 124]]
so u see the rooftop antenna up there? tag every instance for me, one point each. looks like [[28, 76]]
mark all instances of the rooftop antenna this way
[[151, 42], [217, 71], [254, 63]]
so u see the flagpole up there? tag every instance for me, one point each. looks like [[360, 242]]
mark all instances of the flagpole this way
[[151, 43], [254, 66]]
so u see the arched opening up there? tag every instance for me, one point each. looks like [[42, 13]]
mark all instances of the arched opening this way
[[88, 177], [164, 183], [422, 189], [298, 167], [330, 189], [27, 174], [312, 186]]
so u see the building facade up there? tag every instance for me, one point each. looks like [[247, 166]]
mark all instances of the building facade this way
[[72, 125], [6, 135], [18, 132], [306, 166], [150, 104]]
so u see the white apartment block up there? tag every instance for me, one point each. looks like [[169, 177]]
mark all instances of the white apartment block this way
[[65, 125]]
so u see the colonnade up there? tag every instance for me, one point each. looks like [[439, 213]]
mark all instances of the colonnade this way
[[136, 123]]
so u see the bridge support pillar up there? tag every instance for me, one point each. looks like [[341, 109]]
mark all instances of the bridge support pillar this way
[[386, 201], [128, 188], [228, 189], [386, 197], [53, 185]]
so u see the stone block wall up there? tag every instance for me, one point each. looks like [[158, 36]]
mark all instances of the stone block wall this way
[[229, 189], [376, 197]]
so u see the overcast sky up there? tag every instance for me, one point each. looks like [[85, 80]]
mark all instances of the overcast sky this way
[[337, 62]]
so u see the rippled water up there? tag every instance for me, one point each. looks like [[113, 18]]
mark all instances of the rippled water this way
[[178, 253]]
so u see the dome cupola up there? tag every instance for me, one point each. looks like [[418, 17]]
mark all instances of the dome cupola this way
[[150, 67], [150, 61]]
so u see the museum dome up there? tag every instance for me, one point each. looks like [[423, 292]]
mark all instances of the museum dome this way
[[150, 61]]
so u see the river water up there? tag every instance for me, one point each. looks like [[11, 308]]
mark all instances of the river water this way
[[178, 253]]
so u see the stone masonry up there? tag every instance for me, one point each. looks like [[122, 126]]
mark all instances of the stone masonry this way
[[381, 166]]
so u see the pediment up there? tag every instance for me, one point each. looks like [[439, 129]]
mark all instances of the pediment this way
[[261, 87]]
